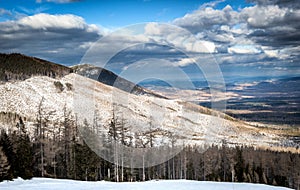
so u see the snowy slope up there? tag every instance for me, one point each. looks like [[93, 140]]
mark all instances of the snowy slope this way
[[59, 184], [138, 112]]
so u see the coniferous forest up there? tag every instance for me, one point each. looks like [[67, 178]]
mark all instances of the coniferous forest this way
[[64, 154]]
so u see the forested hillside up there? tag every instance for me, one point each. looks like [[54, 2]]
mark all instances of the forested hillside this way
[[16, 66]]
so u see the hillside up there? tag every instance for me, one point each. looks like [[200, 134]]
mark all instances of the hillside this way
[[24, 97], [16, 66], [76, 93], [109, 78], [69, 121]]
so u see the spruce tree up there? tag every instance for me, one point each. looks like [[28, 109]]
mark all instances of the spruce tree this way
[[4, 166], [7, 148], [24, 158], [240, 165]]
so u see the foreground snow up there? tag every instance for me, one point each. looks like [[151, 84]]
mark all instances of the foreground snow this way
[[46, 183]]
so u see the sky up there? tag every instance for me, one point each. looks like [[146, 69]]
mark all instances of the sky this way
[[246, 39]]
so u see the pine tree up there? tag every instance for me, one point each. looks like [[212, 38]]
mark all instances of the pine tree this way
[[87, 163], [7, 148], [240, 165], [24, 164], [4, 166], [68, 141]]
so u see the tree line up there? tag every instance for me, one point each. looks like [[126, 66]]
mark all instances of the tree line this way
[[57, 150]]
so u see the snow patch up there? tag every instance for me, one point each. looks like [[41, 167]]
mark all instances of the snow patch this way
[[61, 184]]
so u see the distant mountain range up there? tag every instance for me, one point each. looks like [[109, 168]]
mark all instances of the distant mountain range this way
[[254, 99]]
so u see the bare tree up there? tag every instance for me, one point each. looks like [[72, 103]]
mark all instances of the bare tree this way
[[68, 141], [43, 120]]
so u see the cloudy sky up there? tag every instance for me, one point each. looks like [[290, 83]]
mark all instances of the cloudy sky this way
[[253, 38]]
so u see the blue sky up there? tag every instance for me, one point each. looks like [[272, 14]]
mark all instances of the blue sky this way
[[115, 13], [252, 38]]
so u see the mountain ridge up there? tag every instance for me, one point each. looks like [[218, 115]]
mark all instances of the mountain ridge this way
[[16, 66], [110, 78]]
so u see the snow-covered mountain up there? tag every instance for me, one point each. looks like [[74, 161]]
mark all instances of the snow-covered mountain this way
[[192, 122], [96, 104]]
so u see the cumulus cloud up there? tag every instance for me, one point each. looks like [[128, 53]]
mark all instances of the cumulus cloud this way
[[263, 35], [178, 38], [273, 25], [207, 18], [264, 16], [266, 23], [46, 21], [53, 37]]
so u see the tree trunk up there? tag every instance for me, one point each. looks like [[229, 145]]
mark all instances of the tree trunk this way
[[122, 169], [144, 169], [86, 173]]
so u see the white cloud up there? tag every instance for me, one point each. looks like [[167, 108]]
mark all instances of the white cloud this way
[[152, 29], [280, 68], [184, 62], [273, 25], [282, 54], [49, 22], [206, 18], [271, 53], [179, 38], [211, 4], [5, 12], [202, 46], [43, 34], [243, 49], [224, 37], [45, 21], [263, 16]]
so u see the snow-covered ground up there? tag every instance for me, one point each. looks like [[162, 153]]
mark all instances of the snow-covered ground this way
[[57, 184], [89, 97]]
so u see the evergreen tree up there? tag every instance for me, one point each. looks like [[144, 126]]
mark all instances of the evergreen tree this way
[[7, 148], [24, 164], [4, 166], [240, 165], [87, 163]]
